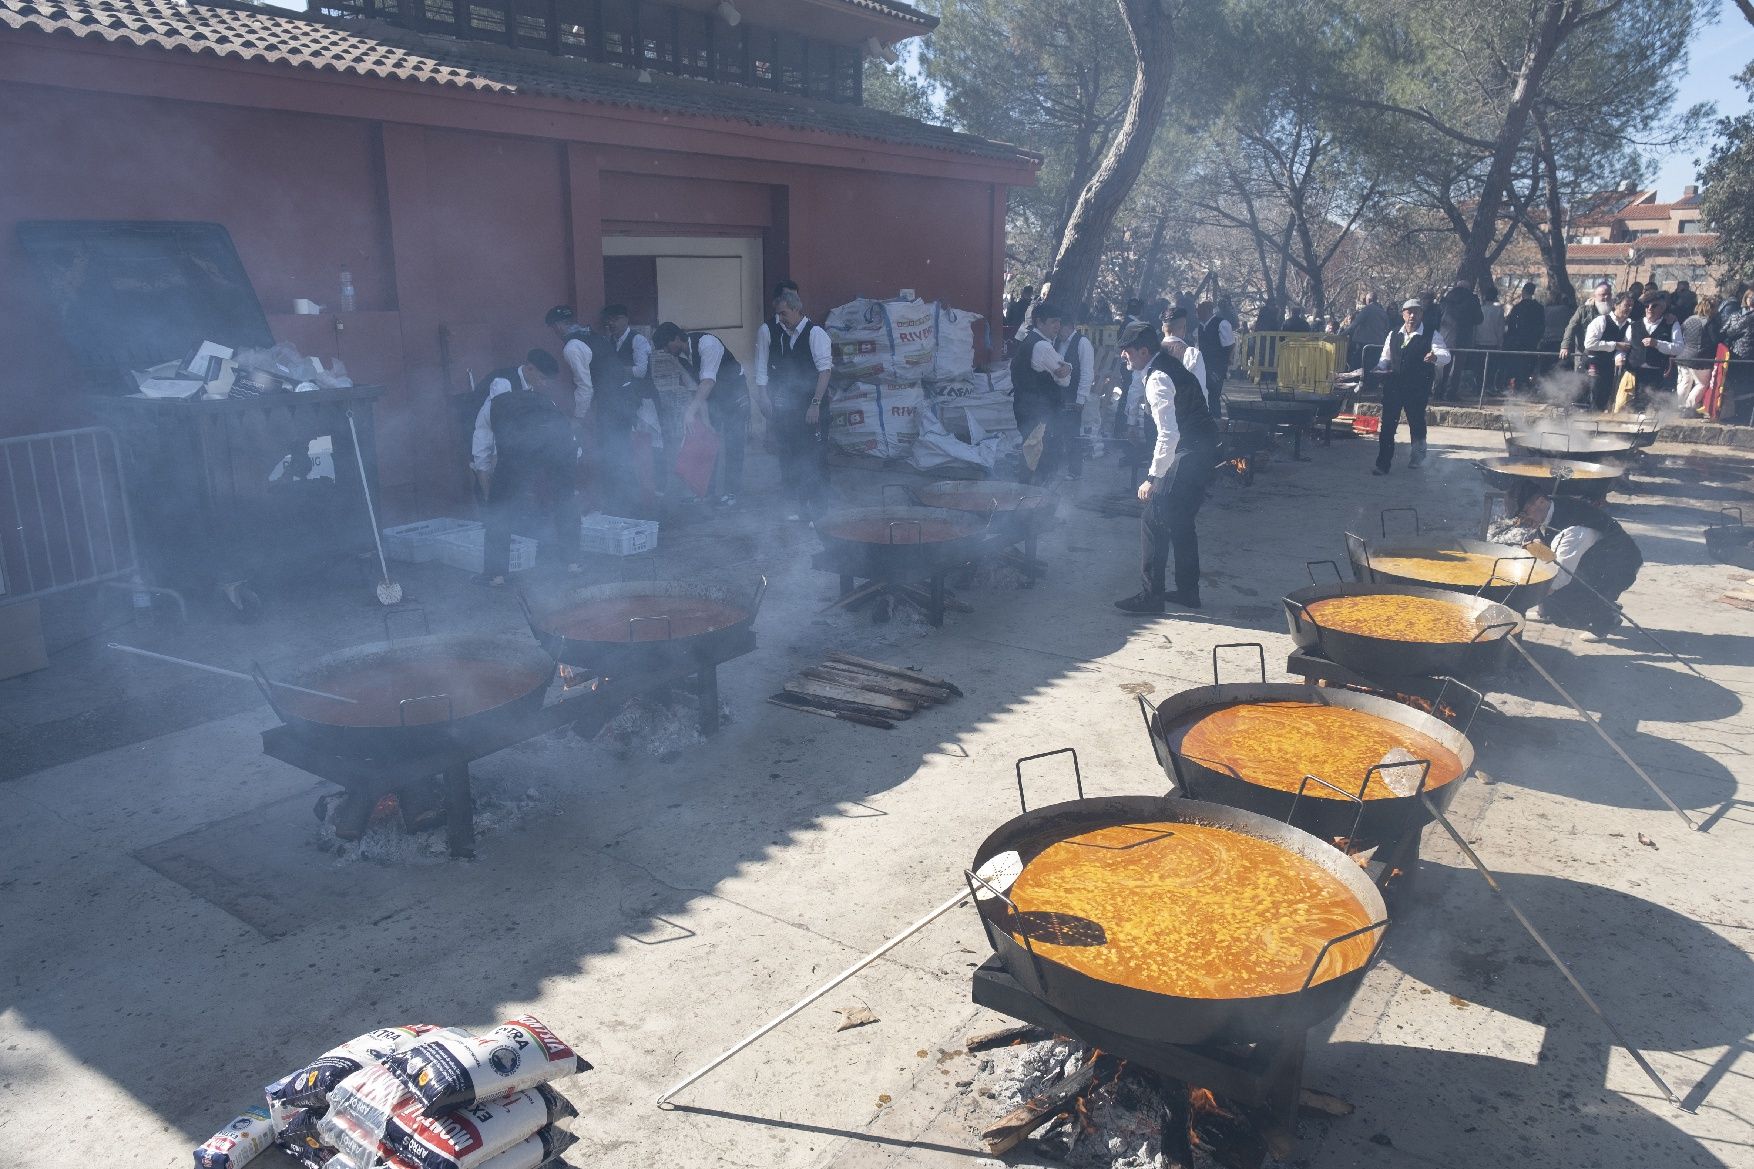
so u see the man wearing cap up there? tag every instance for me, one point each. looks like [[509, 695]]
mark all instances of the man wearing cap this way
[[1182, 464], [1178, 323], [1039, 380], [575, 355], [1411, 357]]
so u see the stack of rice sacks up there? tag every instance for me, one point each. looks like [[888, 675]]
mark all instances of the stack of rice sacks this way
[[417, 1097]]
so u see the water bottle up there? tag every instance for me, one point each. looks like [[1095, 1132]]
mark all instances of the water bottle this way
[[346, 291]]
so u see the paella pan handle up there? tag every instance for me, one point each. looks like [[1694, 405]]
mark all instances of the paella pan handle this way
[[1358, 799], [1358, 551], [759, 596], [529, 616], [406, 611], [919, 530], [1481, 633], [267, 688], [1382, 519], [1726, 512], [1309, 566], [1077, 772], [1345, 937], [669, 629], [1558, 434], [450, 707], [1493, 577], [1479, 700], [973, 878], [1260, 650], [1304, 615], [1159, 746], [908, 498], [1418, 793]]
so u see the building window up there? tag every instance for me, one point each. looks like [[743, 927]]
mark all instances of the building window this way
[[762, 70], [578, 21], [619, 32], [1688, 227], [849, 76], [694, 45], [486, 21], [731, 55], [789, 51], [657, 38]]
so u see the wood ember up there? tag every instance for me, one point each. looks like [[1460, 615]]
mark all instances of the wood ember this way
[[858, 690]]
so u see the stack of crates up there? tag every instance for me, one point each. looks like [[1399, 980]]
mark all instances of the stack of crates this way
[[456, 543], [615, 536]]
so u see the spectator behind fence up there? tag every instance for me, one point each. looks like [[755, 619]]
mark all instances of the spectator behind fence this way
[[1523, 327], [1370, 325], [1738, 334], [1695, 348], [1489, 337], [1461, 317]]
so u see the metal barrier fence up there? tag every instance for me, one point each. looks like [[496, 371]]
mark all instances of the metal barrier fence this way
[[66, 517], [1546, 360]]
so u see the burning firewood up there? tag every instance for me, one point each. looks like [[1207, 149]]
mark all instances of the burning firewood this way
[[1037, 1111]]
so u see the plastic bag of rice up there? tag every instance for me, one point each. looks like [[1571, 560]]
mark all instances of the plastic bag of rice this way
[[371, 1115], [238, 1142], [448, 1072], [533, 1152], [309, 1086]]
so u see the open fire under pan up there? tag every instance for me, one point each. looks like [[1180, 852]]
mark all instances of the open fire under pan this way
[[1559, 444], [1293, 415], [408, 761], [1041, 968], [1591, 481], [1484, 652], [1363, 810], [634, 627], [1504, 573]]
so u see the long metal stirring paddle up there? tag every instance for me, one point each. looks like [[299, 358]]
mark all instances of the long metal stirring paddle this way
[[146, 653]]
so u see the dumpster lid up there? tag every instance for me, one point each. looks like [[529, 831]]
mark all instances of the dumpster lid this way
[[134, 293]]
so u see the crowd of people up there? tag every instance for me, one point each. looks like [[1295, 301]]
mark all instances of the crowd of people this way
[[598, 421]]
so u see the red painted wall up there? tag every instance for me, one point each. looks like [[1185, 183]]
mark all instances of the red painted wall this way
[[458, 241]]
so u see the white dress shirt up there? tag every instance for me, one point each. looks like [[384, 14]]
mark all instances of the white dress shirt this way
[[1657, 343], [483, 452], [1569, 545], [1160, 400], [820, 354], [710, 352], [1226, 334], [1196, 364], [1086, 363], [642, 352], [1044, 358], [1596, 340], [1439, 347], [577, 356]]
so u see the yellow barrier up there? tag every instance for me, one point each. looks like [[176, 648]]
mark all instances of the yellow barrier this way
[[1296, 361]]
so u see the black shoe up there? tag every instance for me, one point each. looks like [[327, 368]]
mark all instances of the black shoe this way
[[1379, 470], [1186, 600], [1143, 603]]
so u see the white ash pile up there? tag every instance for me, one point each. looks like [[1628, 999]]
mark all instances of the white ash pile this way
[[415, 1097], [392, 837], [662, 726]]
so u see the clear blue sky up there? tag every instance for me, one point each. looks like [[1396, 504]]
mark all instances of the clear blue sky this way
[[1717, 56]]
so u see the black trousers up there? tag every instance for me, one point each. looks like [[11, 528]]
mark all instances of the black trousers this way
[[512, 505], [728, 410], [614, 477], [1395, 402], [1032, 411], [1167, 523], [1066, 439], [1609, 568], [1215, 375], [803, 449], [1604, 381]]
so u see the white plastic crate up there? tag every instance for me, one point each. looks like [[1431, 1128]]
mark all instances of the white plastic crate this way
[[463, 549], [615, 536], [418, 543]]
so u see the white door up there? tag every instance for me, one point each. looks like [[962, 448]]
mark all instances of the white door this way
[[704, 282]]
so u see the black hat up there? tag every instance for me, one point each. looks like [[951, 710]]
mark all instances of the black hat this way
[[560, 314], [1138, 335], [1176, 313], [1047, 310]]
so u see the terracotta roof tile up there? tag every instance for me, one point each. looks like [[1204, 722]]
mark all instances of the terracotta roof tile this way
[[370, 48]]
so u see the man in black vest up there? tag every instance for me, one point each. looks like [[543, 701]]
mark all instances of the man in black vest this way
[[1066, 425], [524, 442], [1411, 356], [1608, 344], [721, 400], [1590, 548], [793, 388], [1217, 340], [1653, 344], [1040, 378], [1182, 465]]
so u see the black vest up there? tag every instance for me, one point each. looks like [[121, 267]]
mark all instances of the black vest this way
[[1027, 382], [1216, 353], [1408, 369], [730, 370], [1651, 362], [1612, 330], [1192, 419], [615, 396], [1073, 356], [526, 424], [791, 370]]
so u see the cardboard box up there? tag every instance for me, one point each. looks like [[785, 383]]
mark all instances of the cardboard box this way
[[21, 639]]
